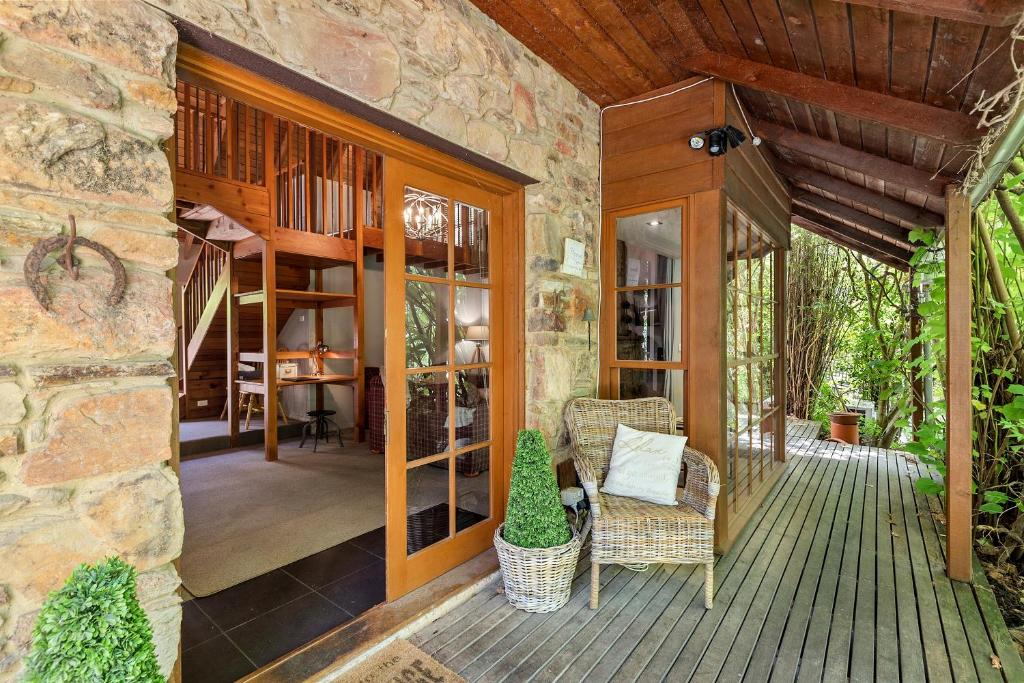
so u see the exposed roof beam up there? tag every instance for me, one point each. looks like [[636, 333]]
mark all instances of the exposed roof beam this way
[[858, 219], [888, 205], [869, 164], [841, 234], [951, 127], [990, 13]]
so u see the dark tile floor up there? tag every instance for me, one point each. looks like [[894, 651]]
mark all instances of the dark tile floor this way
[[232, 633]]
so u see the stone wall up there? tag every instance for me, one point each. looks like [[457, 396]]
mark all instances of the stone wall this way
[[445, 66], [86, 393]]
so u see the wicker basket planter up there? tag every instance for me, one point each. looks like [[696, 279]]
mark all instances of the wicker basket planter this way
[[538, 579]]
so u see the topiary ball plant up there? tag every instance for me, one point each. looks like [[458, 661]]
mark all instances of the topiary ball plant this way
[[535, 517], [93, 630]]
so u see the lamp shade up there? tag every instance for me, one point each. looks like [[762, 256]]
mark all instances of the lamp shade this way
[[477, 333], [588, 315]]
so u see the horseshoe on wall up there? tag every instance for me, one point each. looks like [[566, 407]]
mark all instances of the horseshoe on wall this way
[[66, 243]]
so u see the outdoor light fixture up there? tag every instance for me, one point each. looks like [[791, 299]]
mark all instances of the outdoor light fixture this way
[[719, 140], [654, 224]]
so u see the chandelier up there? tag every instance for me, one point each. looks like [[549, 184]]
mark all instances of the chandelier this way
[[426, 216]]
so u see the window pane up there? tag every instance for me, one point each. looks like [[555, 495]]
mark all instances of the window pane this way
[[472, 407], [426, 414], [426, 233], [470, 243], [472, 488], [649, 248], [472, 325], [426, 324], [645, 383], [426, 506], [649, 324]]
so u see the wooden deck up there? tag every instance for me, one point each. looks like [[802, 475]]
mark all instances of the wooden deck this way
[[839, 576]]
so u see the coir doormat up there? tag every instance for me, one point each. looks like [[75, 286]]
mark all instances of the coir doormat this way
[[401, 661]]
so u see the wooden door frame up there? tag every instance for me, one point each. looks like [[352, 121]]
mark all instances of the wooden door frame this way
[[405, 572], [236, 82]]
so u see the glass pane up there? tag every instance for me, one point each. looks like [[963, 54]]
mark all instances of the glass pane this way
[[426, 414], [426, 324], [472, 325], [472, 407], [649, 248], [426, 233], [470, 243], [472, 488], [644, 383], [649, 324], [426, 506]]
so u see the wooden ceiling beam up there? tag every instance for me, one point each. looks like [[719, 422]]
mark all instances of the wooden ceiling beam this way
[[990, 13], [877, 167], [863, 195], [857, 219], [874, 247], [950, 127]]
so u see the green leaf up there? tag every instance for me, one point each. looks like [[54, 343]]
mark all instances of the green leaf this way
[[991, 508], [928, 485]]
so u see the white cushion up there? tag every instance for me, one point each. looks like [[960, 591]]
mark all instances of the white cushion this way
[[645, 466]]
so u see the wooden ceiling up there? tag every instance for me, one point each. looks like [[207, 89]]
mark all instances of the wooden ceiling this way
[[865, 105]]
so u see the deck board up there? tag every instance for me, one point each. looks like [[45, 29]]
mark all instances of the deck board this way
[[839, 576]]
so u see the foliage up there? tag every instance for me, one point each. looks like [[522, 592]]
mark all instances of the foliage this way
[[818, 315], [998, 365], [535, 517], [93, 630]]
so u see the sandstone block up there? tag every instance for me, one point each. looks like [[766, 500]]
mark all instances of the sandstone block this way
[[101, 434], [487, 139], [44, 148], [370, 67], [138, 515], [39, 554], [47, 376], [529, 158], [80, 325], [524, 106], [73, 78], [12, 403], [157, 590], [127, 34], [446, 120]]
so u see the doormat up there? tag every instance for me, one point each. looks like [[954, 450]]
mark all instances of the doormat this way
[[402, 661]]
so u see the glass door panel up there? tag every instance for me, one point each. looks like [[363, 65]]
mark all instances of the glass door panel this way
[[440, 254]]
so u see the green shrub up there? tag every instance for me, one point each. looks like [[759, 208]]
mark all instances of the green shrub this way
[[94, 631], [535, 517]]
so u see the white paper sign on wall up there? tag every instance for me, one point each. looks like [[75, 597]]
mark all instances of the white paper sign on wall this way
[[575, 254]]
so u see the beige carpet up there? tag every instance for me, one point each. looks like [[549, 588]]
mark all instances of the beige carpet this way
[[400, 660], [245, 516]]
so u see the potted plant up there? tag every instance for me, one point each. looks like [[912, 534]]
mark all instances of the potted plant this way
[[537, 548], [844, 424], [93, 629]]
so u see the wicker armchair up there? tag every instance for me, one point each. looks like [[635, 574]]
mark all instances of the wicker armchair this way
[[628, 531]]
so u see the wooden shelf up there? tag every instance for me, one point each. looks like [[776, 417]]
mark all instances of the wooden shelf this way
[[255, 386], [301, 299], [260, 357]]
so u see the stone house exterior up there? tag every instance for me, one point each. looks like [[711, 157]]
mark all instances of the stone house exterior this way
[[87, 392]]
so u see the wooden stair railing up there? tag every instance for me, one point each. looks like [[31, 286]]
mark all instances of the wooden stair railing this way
[[201, 296]]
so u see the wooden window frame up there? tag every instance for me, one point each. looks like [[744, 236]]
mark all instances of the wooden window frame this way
[[610, 364]]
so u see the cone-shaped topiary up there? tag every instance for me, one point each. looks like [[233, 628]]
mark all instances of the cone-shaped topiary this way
[[535, 518], [94, 630]]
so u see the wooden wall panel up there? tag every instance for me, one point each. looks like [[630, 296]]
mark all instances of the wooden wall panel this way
[[752, 184], [645, 152]]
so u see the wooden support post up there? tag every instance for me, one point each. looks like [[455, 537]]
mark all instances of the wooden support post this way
[[916, 353], [232, 348], [270, 351], [358, 398], [780, 361], [318, 335], [706, 416], [959, 460]]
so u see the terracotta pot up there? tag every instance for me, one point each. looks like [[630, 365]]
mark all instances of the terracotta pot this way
[[845, 427]]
